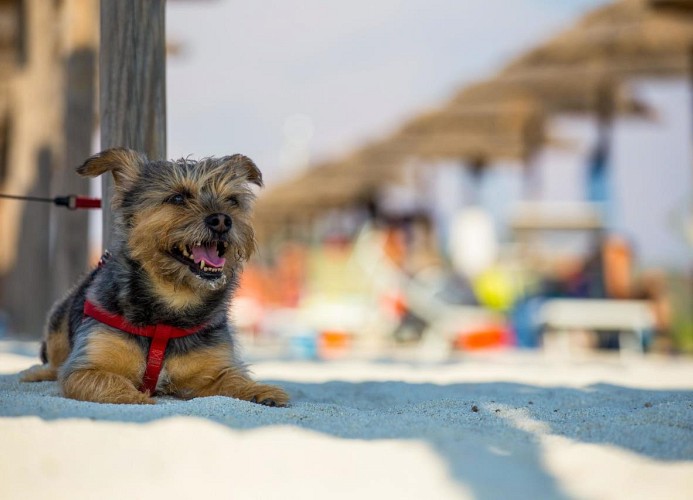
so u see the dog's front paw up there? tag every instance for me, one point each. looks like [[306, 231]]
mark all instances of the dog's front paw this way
[[269, 395], [39, 373], [99, 386]]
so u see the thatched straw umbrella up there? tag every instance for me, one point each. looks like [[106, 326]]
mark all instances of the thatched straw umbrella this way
[[630, 37], [510, 127], [558, 90], [348, 182], [476, 134], [621, 40], [505, 129]]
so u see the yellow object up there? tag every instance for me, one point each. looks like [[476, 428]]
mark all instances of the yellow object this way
[[495, 288]]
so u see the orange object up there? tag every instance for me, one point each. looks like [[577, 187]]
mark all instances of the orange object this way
[[618, 267], [483, 337], [395, 246], [333, 344], [395, 303], [335, 339]]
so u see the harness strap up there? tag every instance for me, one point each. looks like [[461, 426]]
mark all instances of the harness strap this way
[[160, 335]]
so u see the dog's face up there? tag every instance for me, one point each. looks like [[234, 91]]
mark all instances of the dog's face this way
[[186, 222]]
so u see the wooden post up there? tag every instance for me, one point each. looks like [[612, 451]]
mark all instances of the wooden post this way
[[133, 83], [71, 248], [35, 145], [690, 277]]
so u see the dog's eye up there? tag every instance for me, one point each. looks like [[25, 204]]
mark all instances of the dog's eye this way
[[233, 201], [176, 199]]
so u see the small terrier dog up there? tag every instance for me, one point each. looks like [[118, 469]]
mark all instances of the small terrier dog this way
[[182, 233]]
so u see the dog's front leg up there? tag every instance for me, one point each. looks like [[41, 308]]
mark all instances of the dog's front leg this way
[[230, 382], [107, 368], [101, 386], [210, 372]]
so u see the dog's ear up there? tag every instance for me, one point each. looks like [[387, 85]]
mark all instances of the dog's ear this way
[[124, 164], [241, 166]]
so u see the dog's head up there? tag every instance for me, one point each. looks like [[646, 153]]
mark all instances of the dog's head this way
[[186, 222]]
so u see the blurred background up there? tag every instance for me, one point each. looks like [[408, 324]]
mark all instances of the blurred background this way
[[442, 177]]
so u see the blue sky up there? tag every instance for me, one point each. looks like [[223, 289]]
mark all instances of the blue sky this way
[[288, 82]]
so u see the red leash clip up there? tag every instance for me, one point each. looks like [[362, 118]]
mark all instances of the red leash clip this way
[[73, 202]]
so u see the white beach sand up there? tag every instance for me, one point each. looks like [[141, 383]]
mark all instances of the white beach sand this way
[[545, 428]]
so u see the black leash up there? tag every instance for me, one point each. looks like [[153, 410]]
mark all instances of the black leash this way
[[72, 201]]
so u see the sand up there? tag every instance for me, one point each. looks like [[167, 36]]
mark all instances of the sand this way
[[503, 425]]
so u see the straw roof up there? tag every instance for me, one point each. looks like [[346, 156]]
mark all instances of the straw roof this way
[[478, 133], [673, 5], [630, 37], [559, 90], [332, 184], [309, 189], [501, 117]]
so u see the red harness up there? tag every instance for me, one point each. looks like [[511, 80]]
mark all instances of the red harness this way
[[159, 334]]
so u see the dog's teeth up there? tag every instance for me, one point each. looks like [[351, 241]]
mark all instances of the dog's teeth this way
[[202, 264]]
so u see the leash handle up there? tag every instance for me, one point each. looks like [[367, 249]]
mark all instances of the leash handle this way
[[73, 202]]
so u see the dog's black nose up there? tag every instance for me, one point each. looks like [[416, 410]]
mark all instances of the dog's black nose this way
[[219, 223]]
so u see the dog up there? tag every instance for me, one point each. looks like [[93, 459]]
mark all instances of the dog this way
[[152, 319]]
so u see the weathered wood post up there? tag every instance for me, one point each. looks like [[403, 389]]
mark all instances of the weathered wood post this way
[[34, 152], [71, 250], [133, 83]]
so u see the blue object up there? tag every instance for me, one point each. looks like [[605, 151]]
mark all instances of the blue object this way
[[524, 318], [599, 189], [304, 346]]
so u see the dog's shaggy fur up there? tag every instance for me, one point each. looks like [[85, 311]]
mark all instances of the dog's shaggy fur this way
[[166, 215]]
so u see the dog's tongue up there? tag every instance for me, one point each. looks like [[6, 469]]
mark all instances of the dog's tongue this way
[[209, 254]]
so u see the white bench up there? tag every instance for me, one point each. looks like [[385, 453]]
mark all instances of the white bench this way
[[632, 318]]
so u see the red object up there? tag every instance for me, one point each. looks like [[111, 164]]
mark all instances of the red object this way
[[159, 334], [73, 202], [395, 303], [483, 337], [84, 202]]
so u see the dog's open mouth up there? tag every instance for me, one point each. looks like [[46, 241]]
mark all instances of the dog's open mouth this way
[[204, 259]]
